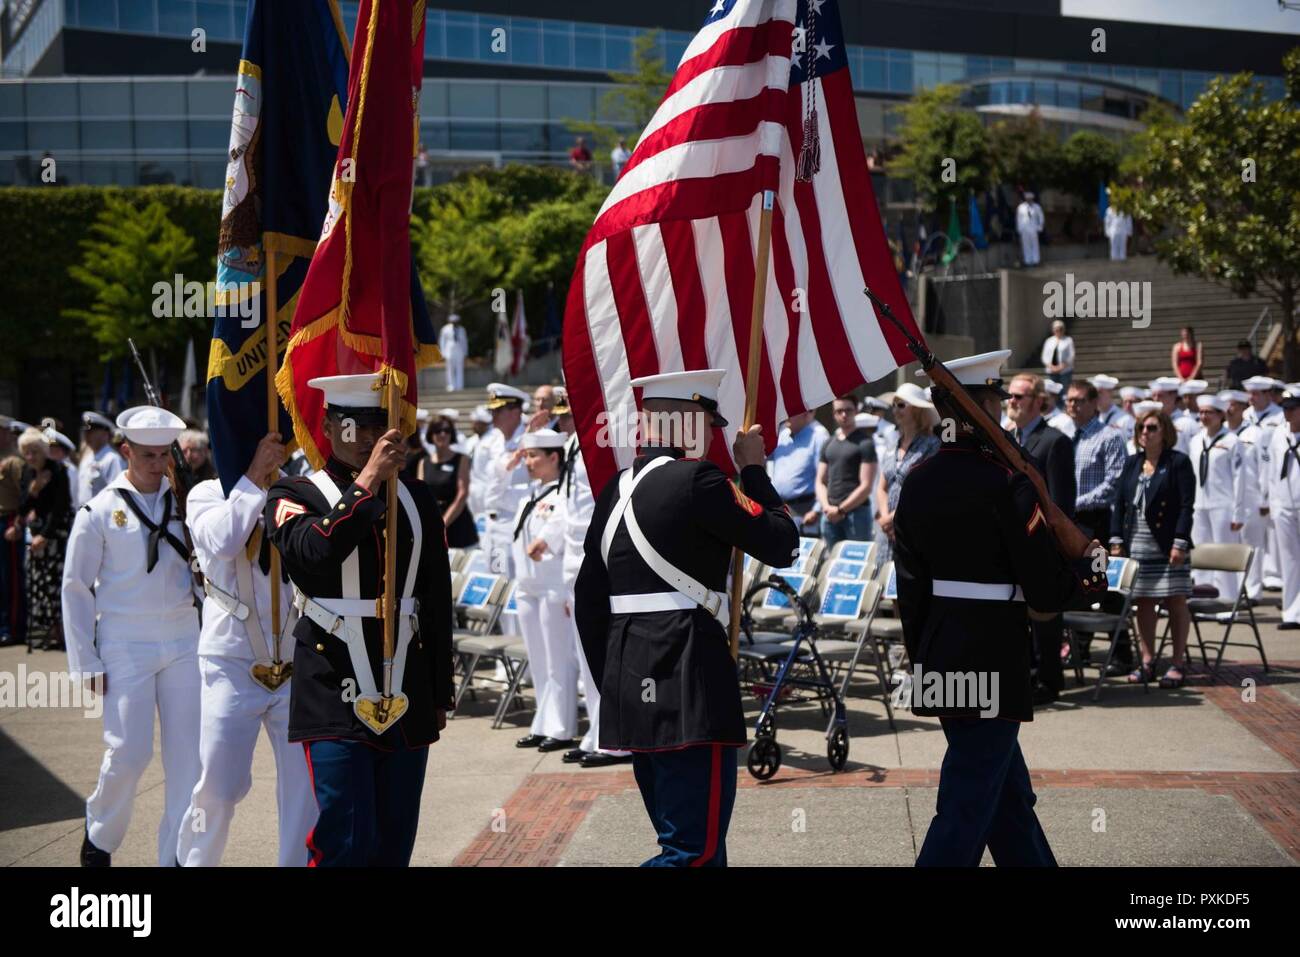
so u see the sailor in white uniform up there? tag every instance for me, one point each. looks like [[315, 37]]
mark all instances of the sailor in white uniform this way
[[1111, 415], [1029, 223], [100, 464], [538, 546], [503, 476], [243, 690], [1165, 391], [1267, 414], [1056, 417], [454, 346], [1249, 439], [1284, 506], [1227, 489], [129, 617]]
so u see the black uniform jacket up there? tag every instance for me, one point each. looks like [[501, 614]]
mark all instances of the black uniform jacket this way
[[666, 678], [1052, 453], [313, 544], [963, 516], [1171, 493]]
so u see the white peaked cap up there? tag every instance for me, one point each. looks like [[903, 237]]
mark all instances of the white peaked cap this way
[[913, 394], [1211, 402], [453, 318], [1132, 392], [351, 391], [500, 395], [150, 425], [875, 402], [1234, 395], [699, 385], [93, 420], [1104, 381], [1053, 387], [53, 435], [1147, 407], [1193, 387], [1258, 383], [543, 439], [865, 420], [983, 369], [1166, 383]]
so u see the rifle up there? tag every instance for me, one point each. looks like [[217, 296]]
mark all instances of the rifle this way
[[179, 473], [1070, 539]]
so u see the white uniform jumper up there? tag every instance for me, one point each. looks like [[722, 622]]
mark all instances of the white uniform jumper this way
[[1268, 420], [1284, 507], [1250, 439], [237, 632], [453, 343], [1226, 494], [138, 626], [96, 470], [546, 630], [503, 492]]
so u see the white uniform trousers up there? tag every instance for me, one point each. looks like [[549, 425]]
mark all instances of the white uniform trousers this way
[[455, 372], [1253, 534], [235, 707], [1029, 247], [591, 692], [1214, 526], [145, 676], [1119, 246], [1286, 524], [552, 662], [1272, 556], [497, 538]]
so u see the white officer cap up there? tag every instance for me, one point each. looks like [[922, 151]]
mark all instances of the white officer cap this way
[[913, 394], [352, 394], [699, 386], [501, 395], [1132, 392], [865, 420], [1147, 407], [150, 425], [453, 318], [1053, 387], [877, 402], [1193, 387], [544, 439], [1211, 402], [53, 435], [561, 406], [93, 420], [1104, 381], [1166, 383], [1234, 395], [984, 369], [1258, 383], [481, 414]]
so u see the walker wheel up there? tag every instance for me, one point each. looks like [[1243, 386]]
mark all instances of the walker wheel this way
[[766, 726], [837, 749], [764, 757]]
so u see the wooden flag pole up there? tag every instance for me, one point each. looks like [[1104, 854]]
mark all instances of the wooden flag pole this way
[[393, 400], [751, 391], [272, 303]]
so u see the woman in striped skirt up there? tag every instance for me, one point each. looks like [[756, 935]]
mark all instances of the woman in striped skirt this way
[[1152, 523]]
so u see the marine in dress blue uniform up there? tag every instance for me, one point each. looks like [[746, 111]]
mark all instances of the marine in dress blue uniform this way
[[329, 528], [651, 611], [973, 552]]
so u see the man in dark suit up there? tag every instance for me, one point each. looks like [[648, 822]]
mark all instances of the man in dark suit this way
[[1053, 455]]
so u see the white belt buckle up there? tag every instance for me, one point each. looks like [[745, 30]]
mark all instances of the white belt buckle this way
[[712, 603]]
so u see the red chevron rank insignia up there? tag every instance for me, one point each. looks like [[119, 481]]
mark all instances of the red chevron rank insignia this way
[[745, 502], [286, 509], [1038, 518]]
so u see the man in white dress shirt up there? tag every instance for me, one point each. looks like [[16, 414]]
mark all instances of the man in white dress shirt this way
[[503, 475]]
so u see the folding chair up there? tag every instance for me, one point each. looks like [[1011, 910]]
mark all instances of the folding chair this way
[[845, 601], [456, 558], [1222, 558], [774, 612], [514, 653], [480, 601], [1120, 575], [476, 561], [853, 551]]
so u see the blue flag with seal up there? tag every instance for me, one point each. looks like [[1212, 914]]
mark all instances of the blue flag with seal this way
[[290, 100]]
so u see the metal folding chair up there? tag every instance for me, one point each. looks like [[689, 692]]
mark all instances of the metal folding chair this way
[[1215, 557], [1120, 575], [480, 600]]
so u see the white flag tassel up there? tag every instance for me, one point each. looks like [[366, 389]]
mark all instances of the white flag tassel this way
[[810, 151]]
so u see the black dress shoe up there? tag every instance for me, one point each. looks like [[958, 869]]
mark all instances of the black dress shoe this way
[[1288, 626], [597, 759], [530, 740], [1045, 695], [554, 744], [1118, 668], [574, 756], [91, 856]]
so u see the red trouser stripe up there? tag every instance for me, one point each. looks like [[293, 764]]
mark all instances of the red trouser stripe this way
[[311, 773], [715, 808]]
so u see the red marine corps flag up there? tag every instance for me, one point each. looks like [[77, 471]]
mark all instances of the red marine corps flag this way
[[761, 107], [360, 308]]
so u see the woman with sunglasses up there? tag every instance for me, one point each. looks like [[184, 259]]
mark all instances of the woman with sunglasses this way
[[915, 417], [446, 472], [1152, 523]]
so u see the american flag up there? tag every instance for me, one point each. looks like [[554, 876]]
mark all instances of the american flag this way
[[665, 279]]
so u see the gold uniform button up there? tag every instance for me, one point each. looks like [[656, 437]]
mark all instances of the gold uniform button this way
[[320, 647], [325, 521], [340, 506], [357, 494]]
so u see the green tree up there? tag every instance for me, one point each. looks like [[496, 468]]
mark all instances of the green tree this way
[[458, 244], [1223, 186], [544, 242], [943, 149], [1027, 151], [633, 101], [130, 251], [1086, 160]]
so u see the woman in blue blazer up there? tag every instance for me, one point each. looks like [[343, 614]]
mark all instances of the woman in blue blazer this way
[[1152, 523]]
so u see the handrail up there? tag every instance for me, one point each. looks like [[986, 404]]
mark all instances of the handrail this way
[[1254, 330]]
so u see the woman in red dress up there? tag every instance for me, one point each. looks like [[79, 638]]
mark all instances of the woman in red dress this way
[[1187, 355]]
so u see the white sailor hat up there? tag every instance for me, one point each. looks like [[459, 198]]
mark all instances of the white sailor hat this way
[[543, 439], [1146, 407], [1053, 387], [1279, 385], [865, 420], [1193, 387], [352, 395], [1290, 399], [18, 427], [421, 415], [699, 386], [501, 395], [1234, 395], [453, 318], [481, 414], [1166, 383], [983, 370], [914, 395], [1258, 383], [53, 435], [1104, 381], [93, 420], [1217, 403], [450, 413], [1293, 388], [1132, 392], [150, 425]]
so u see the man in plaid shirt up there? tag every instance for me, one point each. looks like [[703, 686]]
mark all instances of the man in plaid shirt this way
[[1098, 459]]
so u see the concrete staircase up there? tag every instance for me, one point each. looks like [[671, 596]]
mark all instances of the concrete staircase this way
[[1135, 356]]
